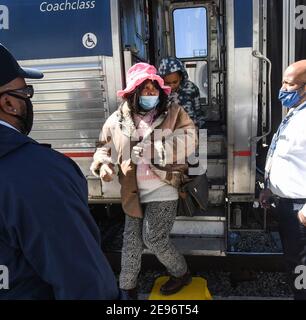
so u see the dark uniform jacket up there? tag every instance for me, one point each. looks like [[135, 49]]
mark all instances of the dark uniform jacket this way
[[48, 239]]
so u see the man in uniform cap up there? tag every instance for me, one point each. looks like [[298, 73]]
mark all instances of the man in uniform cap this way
[[49, 242]]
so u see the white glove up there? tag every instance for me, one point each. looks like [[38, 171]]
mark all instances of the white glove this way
[[95, 168], [141, 153], [137, 153], [105, 172]]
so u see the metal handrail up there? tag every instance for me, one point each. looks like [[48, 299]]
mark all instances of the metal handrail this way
[[260, 56]]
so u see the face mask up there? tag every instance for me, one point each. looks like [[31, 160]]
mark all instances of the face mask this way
[[26, 121], [148, 102], [290, 99]]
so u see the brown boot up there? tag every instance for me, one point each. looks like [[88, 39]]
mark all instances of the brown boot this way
[[131, 293], [174, 285]]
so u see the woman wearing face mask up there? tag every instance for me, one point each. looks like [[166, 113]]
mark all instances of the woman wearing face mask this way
[[150, 170]]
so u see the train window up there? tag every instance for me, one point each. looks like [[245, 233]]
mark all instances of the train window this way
[[139, 20], [190, 32]]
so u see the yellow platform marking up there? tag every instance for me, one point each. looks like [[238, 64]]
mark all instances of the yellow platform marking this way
[[196, 290]]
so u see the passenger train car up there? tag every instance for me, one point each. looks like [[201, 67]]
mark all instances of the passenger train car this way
[[235, 51]]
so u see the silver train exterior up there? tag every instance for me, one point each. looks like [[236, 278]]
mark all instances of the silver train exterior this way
[[237, 97]]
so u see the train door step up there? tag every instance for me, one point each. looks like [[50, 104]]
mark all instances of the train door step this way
[[216, 145], [196, 290], [198, 246], [212, 224]]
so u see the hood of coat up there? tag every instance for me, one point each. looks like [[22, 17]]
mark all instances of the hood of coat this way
[[11, 140], [171, 65]]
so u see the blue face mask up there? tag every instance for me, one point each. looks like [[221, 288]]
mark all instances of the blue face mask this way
[[148, 102], [290, 99]]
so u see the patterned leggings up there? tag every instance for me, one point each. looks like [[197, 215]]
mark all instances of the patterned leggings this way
[[152, 231]]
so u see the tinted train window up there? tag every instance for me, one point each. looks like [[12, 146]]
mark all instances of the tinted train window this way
[[190, 32]]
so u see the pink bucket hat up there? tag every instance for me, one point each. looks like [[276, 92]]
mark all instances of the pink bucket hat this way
[[139, 73]]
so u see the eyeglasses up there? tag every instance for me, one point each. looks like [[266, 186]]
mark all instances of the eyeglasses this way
[[24, 93]]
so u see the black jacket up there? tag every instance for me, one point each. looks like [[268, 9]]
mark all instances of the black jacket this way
[[48, 239]]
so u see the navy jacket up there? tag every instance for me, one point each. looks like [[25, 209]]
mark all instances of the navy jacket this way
[[48, 239]]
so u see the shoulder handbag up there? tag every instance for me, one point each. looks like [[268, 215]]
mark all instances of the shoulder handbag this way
[[193, 196]]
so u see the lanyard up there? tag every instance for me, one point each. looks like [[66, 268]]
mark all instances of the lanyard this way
[[275, 139]]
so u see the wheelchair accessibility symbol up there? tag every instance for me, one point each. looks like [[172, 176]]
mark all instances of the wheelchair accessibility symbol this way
[[89, 40]]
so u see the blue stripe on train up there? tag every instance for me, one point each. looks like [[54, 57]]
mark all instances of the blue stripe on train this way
[[243, 23]]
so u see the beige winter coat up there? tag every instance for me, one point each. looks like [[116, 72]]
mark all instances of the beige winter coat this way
[[119, 136]]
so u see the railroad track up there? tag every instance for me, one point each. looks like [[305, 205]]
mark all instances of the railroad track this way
[[231, 262], [232, 277]]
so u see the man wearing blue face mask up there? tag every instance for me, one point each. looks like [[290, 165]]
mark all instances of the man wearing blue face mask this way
[[285, 173]]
